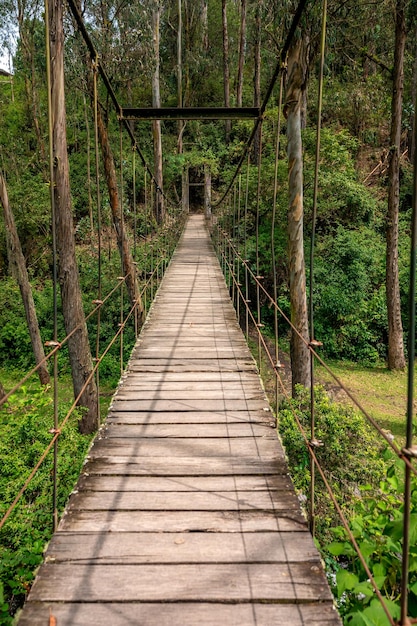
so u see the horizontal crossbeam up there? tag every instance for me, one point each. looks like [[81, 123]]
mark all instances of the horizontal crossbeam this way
[[190, 113]]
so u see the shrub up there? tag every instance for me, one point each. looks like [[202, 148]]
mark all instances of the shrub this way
[[350, 455], [25, 423]]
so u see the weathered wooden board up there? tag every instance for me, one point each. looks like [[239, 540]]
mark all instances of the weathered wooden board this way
[[181, 521], [197, 381], [190, 417], [185, 501], [277, 482], [130, 393], [240, 448], [165, 405], [297, 582], [188, 430], [183, 466], [182, 614], [136, 548]]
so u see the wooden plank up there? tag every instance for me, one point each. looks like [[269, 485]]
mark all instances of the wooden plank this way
[[188, 430], [129, 392], [183, 466], [182, 614], [190, 417], [184, 483], [233, 377], [193, 365], [188, 405], [184, 501], [181, 521], [264, 448], [136, 548], [297, 582]]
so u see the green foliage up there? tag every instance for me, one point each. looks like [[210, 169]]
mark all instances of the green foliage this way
[[350, 454], [349, 300], [25, 424], [377, 525], [367, 480]]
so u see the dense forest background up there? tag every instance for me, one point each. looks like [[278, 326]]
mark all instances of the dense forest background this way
[[220, 53], [350, 300]]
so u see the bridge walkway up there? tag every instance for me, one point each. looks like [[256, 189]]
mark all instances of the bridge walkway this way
[[184, 513]]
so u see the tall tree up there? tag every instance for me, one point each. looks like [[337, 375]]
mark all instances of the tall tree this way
[[128, 263], [296, 84], [226, 69], [159, 208], [74, 319], [257, 76], [242, 50], [19, 271], [28, 22], [396, 359]]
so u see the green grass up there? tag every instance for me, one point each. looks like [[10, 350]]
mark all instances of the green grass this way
[[381, 392]]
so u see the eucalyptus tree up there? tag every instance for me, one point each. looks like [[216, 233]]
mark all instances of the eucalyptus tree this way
[[159, 208], [18, 267], [297, 72], [396, 358], [78, 344]]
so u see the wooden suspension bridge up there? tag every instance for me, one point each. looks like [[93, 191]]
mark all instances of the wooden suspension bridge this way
[[184, 513]]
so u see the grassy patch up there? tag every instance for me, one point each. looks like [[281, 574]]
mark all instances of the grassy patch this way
[[381, 392]]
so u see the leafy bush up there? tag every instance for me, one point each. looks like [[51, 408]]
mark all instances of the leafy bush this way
[[367, 480], [350, 455], [25, 423], [377, 525]]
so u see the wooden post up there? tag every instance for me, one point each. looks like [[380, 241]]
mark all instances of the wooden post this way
[[207, 191], [185, 191]]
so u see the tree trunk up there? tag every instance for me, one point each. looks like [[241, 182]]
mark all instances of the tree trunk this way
[[204, 21], [242, 50], [179, 75], [128, 264], [257, 79], [28, 53], [159, 208], [78, 344], [19, 271], [207, 191], [226, 71], [300, 355], [396, 358], [2, 392]]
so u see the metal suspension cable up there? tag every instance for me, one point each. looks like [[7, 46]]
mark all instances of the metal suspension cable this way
[[410, 452], [54, 262], [122, 236], [246, 244], [258, 271], [98, 200], [280, 65], [273, 253], [312, 250]]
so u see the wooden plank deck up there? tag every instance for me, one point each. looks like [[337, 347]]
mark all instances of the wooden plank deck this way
[[185, 514]]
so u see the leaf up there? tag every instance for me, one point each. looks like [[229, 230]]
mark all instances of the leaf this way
[[364, 588], [337, 548], [345, 581], [374, 615]]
